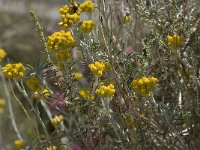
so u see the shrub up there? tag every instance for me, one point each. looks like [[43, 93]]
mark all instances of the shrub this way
[[118, 75]]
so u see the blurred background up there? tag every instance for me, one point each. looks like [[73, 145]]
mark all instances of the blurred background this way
[[18, 36]]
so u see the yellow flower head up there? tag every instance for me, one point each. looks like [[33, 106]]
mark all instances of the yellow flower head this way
[[87, 6], [42, 92], [60, 40], [14, 70], [85, 94], [2, 54], [78, 75], [87, 26], [2, 102], [19, 144], [126, 19], [63, 56], [53, 147], [144, 85], [175, 41], [33, 83], [57, 120], [106, 91], [97, 68], [36, 94], [46, 93], [68, 17]]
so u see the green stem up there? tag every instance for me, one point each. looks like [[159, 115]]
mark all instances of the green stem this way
[[32, 108], [8, 97], [39, 28], [108, 113]]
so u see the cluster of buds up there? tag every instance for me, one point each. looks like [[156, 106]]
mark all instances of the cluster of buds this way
[[144, 85], [97, 68], [85, 94], [175, 41], [69, 16], [42, 92], [34, 84], [14, 70], [61, 40], [87, 26], [78, 75], [57, 120], [87, 6], [52, 147], [106, 91]]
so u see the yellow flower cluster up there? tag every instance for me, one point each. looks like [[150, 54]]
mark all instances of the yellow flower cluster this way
[[19, 144], [87, 26], [60, 40], [97, 68], [85, 94], [78, 75], [68, 16], [53, 147], [63, 56], [175, 41], [106, 91], [2, 54], [14, 70], [33, 83], [57, 120], [2, 104], [44, 92], [87, 6], [144, 85], [126, 19]]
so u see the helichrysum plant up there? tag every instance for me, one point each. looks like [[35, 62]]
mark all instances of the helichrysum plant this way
[[114, 75]]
